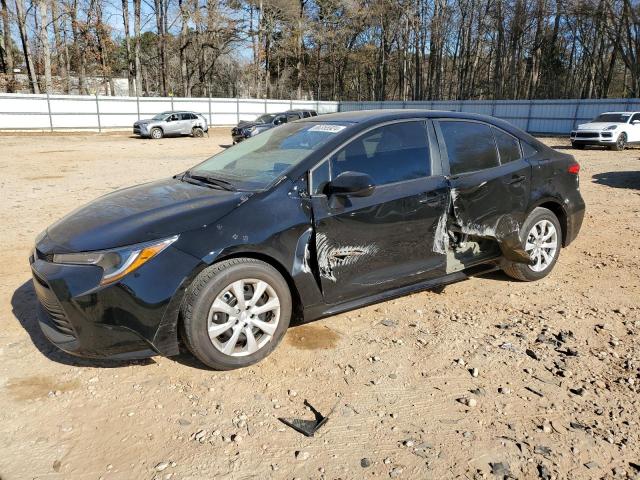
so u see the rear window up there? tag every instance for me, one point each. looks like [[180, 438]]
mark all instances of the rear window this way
[[508, 146], [470, 146]]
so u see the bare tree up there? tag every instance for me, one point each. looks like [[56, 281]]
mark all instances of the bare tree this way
[[21, 18], [43, 38]]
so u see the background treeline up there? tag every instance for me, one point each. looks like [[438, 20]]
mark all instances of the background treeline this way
[[326, 49]]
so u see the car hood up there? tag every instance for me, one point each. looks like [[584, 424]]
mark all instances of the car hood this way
[[597, 125], [247, 124], [138, 214]]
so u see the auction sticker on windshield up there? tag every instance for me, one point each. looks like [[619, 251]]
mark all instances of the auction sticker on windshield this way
[[327, 128]]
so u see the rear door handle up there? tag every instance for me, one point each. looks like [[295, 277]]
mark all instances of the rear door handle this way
[[516, 179]]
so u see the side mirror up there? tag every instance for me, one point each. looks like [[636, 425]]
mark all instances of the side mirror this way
[[351, 184]]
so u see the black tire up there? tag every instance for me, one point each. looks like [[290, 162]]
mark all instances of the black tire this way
[[156, 133], [523, 272], [621, 143], [203, 292], [197, 132], [578, 146]]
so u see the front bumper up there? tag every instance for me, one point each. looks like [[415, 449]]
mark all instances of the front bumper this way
[[141, 130], [133, 318], [582, 137]]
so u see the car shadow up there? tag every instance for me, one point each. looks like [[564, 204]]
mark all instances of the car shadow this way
[[629, 180], [24, 307], [225, 145]]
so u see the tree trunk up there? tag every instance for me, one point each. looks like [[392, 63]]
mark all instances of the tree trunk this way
[[26, 50], [62, 52], [127, 46], [6, 44], [136, 46], [184, 43], [160, 23], [43, 35]]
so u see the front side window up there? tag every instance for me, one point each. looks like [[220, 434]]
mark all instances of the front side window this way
[[636, 117], [256, 162], [391, 153], [470, 146], [508, 146]]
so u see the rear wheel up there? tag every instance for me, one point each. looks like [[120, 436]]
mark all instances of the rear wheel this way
[[156, 133], [542, 240], [621, 142], [235, 313], [197, 132]]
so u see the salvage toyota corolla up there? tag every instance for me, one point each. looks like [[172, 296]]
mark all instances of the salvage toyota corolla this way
[[307, 220]]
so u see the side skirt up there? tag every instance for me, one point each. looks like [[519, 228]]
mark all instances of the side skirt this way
[[316, 312]]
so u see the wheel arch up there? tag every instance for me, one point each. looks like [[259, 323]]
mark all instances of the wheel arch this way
[[558, 210], [295, 295]]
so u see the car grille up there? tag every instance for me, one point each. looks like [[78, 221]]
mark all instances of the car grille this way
[[136, 130], [587, 135], [50, 303]]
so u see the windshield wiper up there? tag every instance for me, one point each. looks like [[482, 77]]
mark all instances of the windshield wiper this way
[[209, 180]]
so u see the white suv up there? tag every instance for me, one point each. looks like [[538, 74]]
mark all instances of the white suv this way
[[612, 129]]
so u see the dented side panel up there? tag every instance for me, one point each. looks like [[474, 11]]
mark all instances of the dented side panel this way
[[371, 244], [492, 204]]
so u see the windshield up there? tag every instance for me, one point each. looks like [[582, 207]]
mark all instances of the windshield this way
[[267, 118], [613, 117], [256, 162], [160, 116]]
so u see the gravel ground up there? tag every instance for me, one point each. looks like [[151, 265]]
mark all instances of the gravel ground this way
[[488, 378]]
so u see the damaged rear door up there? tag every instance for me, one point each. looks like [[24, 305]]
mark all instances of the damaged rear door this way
[[369, 244], [490, 184]]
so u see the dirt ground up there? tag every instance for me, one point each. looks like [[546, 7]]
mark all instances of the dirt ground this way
[[558, 361]]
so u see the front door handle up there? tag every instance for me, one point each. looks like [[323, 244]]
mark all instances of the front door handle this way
[[516, 179]]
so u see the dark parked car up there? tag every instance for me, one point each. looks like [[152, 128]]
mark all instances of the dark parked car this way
[[267, 121], [314, 218]]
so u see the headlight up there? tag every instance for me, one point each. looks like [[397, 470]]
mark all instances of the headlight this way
[[611, 127], [251, 129], [118, 262]]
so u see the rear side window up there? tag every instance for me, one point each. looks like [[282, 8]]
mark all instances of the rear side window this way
[[306, 114], [508, 146], [528, 150], [470, 146]]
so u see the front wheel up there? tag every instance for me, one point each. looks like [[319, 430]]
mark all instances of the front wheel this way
[[235, 313], [156, 133], [621, 143], [542, 241]]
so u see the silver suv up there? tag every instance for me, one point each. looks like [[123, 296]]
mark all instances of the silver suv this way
[[172, 123]]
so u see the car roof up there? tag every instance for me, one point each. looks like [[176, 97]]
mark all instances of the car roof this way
[[617, 113], [382, 115]]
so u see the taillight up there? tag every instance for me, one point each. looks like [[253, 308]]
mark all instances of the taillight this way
[[574, 168]]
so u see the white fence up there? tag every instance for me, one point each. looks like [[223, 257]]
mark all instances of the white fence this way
[[556, 117], [59, 112]]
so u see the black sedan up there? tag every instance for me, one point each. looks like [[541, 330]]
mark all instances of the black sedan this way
[[307, 220]]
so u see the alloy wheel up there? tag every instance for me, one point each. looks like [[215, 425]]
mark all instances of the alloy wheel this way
[[621, 141], [542, 245], [244, 317]]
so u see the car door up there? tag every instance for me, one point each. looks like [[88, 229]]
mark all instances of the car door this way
[[172, 124], [365, 245], [186, 123], [490, 182]]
